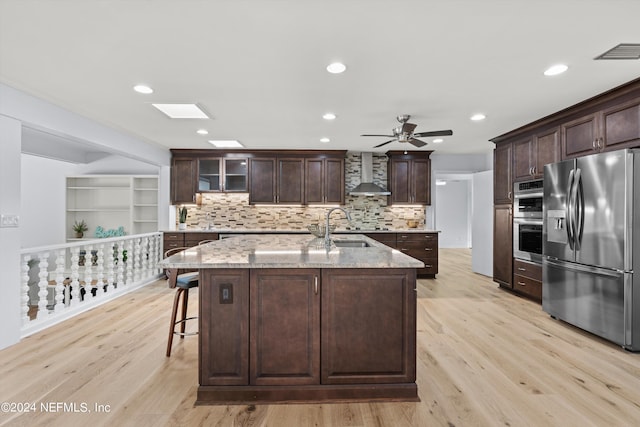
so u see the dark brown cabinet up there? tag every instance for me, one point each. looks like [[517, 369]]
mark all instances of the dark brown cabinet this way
[[503, 245], [224, 350], [409, 177], [183, 180], [612, 128], [276, 180], [531, 154], [290, 179], [373, 340], [502, 178], [527, 279], [222, 175], [296, 334], [324, 181], [284, 327], [421, 246]]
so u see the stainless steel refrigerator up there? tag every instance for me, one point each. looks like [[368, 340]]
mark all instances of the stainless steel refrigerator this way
[[591, 244]]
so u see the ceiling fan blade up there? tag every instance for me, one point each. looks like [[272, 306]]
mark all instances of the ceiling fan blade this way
[[408, 128], [388, 136], [417, 142], [384, 143], [434, 133]]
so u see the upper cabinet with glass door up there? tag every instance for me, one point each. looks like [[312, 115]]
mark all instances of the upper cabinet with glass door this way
[[222, 175]]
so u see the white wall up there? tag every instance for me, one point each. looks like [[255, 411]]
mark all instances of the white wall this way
[[482, 228], [10, 314], [42, 203]]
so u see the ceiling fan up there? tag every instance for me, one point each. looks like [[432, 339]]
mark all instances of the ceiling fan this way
[[404, 133]]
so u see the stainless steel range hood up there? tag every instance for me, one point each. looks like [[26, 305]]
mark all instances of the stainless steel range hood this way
[[366, 186]]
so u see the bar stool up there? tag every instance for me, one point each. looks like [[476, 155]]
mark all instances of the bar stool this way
[[182, 283]]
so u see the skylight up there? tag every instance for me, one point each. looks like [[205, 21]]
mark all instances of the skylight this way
[[182, 111]]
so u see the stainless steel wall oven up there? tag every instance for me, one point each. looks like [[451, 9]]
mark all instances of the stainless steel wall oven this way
[[527, 220]]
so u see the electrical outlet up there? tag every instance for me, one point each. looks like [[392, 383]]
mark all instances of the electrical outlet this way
[[7, 221], [226, 293]]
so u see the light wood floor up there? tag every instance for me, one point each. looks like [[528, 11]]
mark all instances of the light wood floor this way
[[485, 358]]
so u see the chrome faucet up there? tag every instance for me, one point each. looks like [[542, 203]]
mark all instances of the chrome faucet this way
[[327, 233]]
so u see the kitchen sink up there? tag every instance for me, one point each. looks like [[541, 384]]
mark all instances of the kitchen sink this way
[[351, 244]]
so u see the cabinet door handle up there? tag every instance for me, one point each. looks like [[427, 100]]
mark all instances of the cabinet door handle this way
[[404, 249], [522, 284], [428, 249], [593, 144], [315, 284], [522, 269], [428, 266], [600, 143], [509, 195]]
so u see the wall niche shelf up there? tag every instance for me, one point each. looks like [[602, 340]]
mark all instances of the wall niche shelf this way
[[112, 201]]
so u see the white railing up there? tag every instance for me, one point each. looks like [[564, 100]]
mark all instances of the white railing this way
[[61, 281]]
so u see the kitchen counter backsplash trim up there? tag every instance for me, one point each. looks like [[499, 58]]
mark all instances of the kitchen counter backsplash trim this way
[[233, 211]]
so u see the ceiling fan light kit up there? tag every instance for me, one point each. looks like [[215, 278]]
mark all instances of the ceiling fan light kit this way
[[404, 133]]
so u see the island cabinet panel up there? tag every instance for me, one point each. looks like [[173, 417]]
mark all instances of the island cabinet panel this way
[[285, 327], [224, 327], [368, 326]]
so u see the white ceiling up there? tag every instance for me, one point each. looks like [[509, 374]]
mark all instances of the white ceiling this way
[[258, 66]]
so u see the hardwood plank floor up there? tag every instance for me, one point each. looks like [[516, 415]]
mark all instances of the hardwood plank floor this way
[[485, 358]]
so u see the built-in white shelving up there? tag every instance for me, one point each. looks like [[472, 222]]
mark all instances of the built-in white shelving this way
[[112, 201]]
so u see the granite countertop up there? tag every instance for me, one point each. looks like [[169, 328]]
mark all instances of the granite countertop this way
[[288, 251], [297, 230]]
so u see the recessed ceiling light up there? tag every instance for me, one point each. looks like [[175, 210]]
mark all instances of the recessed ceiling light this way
[[143, 89], [325, 140], [438, 140], [554, 70], [182, 111], [202, 132], [226, 143], [478, 117], [336, 68], [329, 116]]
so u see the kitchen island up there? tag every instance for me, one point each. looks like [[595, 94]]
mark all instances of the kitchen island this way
[[283, 318]]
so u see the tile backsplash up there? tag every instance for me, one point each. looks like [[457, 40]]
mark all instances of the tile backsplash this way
[[233, 211]]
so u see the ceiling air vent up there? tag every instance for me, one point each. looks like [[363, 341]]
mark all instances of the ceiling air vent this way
[[622, 51]]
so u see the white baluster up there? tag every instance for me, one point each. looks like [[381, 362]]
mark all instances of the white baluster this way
[[59, 295], [120, 262], [25, 288], [100, 273], [42, 284], [138, 259], [154, 255], [110, 265], [75, 275], [145, 256], [88, 264], [130, 261]]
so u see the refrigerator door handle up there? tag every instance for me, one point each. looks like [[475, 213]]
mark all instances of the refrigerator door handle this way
[[582, 268], [569, 211], [578, 201]]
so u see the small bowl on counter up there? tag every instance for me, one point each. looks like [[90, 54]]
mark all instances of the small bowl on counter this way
[[319, 230], [412, 223]]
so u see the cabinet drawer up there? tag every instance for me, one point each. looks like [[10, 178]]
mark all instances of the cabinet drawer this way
[[417, 236], [174, 236], [528, 286], [527, 269], [420, 247], [171, 244]]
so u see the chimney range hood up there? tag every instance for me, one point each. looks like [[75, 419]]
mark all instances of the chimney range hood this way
[[366, 186]]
